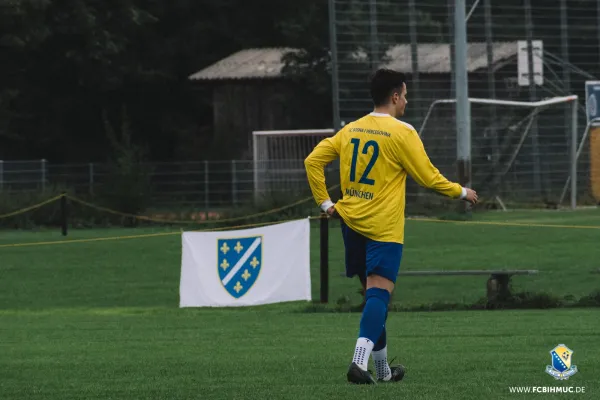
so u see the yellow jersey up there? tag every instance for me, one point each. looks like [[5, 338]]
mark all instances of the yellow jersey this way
[[376, 154]]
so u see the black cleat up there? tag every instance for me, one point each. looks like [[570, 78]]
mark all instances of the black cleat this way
[[358, 376], [398, 372]]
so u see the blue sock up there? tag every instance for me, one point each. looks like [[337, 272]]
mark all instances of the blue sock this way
[[382, 367], [372, 322], [382, 342]]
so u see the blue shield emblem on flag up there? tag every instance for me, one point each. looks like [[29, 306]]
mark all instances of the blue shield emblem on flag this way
[[239, 262]]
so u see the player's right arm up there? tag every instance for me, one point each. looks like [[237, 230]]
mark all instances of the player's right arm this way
[[417, 164], [325, 152]]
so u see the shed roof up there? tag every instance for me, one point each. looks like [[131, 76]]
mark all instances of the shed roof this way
[[435, 58], [246, 64], [266, 63]]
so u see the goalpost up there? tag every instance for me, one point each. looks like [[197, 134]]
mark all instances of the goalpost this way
[[279, 160], [504, 162]]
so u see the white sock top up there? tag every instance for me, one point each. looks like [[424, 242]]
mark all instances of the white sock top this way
[[362, 352]]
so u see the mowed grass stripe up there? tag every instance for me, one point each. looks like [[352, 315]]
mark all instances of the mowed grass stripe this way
[[214, 354]]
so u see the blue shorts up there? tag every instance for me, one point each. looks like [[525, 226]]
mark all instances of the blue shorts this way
[[365, 257]]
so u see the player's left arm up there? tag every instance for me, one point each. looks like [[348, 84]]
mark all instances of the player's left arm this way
[[416, 162], [324, 153]]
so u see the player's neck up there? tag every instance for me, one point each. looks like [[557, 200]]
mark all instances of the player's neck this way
[[390, 110]]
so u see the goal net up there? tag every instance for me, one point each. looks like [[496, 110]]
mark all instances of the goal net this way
[[521, 152], [279, 161]]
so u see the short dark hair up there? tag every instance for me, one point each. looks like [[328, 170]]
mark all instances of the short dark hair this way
[[383, 83]]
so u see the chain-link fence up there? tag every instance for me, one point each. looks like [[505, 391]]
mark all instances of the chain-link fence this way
[[520, 155], [203, 184]]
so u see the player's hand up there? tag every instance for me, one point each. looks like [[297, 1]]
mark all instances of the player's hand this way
[[471, 196], [331, 211]]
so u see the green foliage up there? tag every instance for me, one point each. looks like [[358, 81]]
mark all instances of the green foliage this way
[[63, 62], [530, 300], [129, 176], [308, 33], [591, 300]]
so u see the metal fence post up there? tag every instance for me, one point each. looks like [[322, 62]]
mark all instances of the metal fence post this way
[[598, 23], [335, 85], [91, 176], [451, 34], [414, 52], [574, 106], [324, 253], [373, 34], [537, 184], [233, 183], [255, 167], [206, 186], [43, 173], [64, 211], [463, 105], [490, 76], [564, 40]]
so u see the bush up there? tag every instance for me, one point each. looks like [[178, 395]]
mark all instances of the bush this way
[[528, 300], [128, 188], [591, 300]]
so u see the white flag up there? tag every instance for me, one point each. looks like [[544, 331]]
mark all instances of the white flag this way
[[246, 267]]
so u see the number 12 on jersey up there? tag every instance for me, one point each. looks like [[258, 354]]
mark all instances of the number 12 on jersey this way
[[365, 150]]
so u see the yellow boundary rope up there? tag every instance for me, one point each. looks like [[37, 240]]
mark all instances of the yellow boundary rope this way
[[159, 220], [147, 235], [146, 218], [55, 242], [33, 207]]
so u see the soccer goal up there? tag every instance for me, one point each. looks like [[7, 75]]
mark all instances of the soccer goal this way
[[279, 160], [522, 153]]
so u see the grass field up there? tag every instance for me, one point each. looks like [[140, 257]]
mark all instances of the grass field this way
[[100, 319]]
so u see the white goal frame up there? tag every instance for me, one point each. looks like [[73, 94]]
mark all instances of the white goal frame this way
[[280, 133], [537, 106]]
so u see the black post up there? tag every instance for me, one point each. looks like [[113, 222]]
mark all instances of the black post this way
[[324, 239], [64, 214]]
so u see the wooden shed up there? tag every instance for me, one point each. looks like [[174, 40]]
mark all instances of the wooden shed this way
[[251, 92]]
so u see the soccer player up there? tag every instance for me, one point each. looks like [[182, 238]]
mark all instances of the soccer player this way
[[376, 154]]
